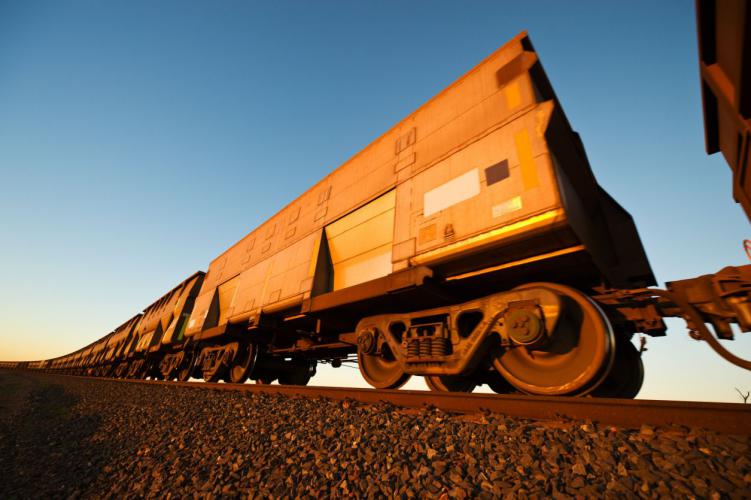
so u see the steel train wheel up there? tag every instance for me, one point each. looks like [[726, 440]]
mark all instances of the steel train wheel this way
[[627, 374], [575, 359], [183, 374], [497, 383], [296, 375], [185, 369], [243, 363], [141, 372], [381, 369], [152, 371], [212, 376], [215, 373], [448, 383]]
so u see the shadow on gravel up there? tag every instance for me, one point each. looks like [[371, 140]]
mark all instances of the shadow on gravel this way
[[45, 447]]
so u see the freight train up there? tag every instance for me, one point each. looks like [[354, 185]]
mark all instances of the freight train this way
[[470, 244]]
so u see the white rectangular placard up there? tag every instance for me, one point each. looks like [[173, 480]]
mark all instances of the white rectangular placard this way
[[456, 190], [508, 206]]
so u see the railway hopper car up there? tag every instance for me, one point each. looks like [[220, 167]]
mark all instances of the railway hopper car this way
[[18, 365], [153, 341], [484, 189], [121, 338], [94, 361], [470, 244], [71, 363]]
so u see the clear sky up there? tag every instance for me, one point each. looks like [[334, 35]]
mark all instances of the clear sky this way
[[140, 139]]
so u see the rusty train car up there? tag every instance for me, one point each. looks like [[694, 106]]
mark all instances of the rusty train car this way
[[724, 29], [470, 244]]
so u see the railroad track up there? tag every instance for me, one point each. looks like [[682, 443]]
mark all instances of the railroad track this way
[[726, 418]]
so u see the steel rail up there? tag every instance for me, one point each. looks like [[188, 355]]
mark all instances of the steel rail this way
[[725, 418]]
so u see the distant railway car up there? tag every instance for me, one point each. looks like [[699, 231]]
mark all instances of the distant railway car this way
[[120, 339], [153, 341], [95, 355]]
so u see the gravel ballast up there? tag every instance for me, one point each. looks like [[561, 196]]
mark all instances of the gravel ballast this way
[[94, 438]]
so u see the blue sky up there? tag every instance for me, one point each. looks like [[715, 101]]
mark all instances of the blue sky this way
[[138, 140]]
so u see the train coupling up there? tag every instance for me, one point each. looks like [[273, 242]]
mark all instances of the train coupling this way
[[720, 300]]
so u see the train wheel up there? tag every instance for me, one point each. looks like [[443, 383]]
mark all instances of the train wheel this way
[[293, 379], [627, 375], [378, 365], [215, 373], [297, 374], [576, 358], [497, 383], [185, 368], [184, 373], [449, 383], [243, 363]]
